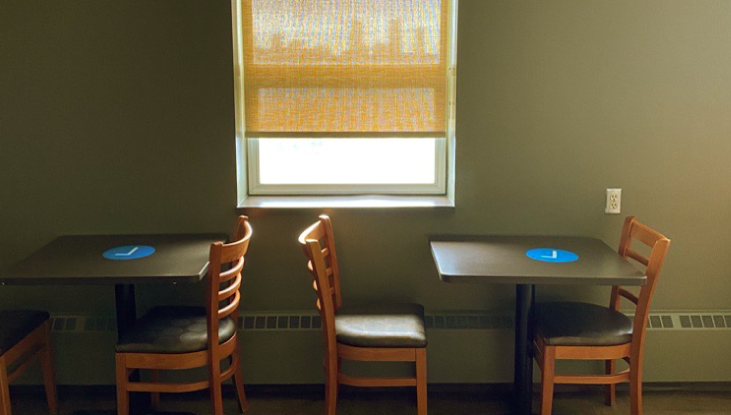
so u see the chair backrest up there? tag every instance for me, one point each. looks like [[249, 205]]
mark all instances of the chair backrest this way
[[632, 231], [224, 278], [318, 244]]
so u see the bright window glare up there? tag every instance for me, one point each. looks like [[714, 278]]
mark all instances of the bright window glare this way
[[347, 161]]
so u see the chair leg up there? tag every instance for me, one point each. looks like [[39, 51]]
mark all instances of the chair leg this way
[[547, 375], [239, 382], [610, 391], [635, 385], [331, 385], [122, 379], [4, 391], [421, 381], [214, 378], [155, 396], [49, 380]]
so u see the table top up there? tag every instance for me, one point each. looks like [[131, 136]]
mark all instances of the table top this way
[[78, 259], [503, 259]]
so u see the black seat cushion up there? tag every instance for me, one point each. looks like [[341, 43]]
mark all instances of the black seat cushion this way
[[170, 330], [581, 324], [16, 324], [381, 325]]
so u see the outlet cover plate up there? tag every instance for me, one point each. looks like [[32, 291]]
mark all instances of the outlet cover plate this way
[[614, 201]]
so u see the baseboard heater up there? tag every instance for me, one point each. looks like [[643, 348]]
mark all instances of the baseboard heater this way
[[696, 320]]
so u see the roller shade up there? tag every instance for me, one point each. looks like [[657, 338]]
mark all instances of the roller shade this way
[[335, 67]]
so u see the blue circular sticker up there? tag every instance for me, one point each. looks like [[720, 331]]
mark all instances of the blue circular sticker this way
[[552, 255], [127, 252]]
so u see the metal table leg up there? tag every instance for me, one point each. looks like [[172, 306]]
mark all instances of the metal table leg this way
[[523, 377], [124, 295]]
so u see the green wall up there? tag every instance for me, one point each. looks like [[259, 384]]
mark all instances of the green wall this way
[[118, 117]]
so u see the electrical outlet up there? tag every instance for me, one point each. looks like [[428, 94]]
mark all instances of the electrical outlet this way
[[614, 201]]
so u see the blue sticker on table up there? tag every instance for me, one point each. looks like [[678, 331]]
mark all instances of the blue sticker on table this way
[[552, 255], [127, 252]]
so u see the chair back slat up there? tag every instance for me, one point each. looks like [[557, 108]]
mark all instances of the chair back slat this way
[[321, 283], [631, 253], [316, 231], [224, 278], [233, 272], [231, 308], [235, 250], [231, 289], [326, 302], [318, 245], [628, 295], [644, 234], [632, 231]]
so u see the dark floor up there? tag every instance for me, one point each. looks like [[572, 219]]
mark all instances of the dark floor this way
[[660, 399]]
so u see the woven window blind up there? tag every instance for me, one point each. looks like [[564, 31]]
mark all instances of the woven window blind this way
[[334, 67]]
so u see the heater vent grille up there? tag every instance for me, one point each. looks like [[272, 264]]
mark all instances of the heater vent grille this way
[[715, 320]]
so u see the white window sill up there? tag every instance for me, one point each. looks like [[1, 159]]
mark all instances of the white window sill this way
[[316, 202]]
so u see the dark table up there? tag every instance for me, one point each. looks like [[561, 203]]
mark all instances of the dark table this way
[[504, 260], [79, 259]]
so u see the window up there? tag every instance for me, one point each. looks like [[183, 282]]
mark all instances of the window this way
[[344, 97]]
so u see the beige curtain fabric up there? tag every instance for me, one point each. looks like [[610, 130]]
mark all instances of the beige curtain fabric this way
[[345, 66]]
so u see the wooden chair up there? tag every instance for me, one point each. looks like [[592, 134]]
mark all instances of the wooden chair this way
[[176, 338], [374, 333], [24, 337], [581, 331]]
